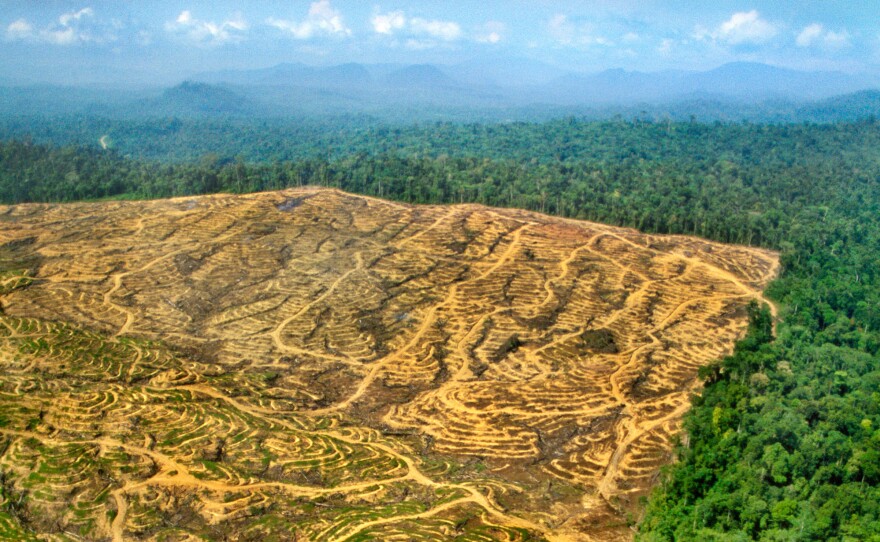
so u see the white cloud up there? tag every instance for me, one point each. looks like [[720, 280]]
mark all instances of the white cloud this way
[[815, 34], [444, 30], [630, 37], [387, 23], [71, 28], [73, 16], [300, 31], [327, 18], [62, 36], [185, 18], [491, 32], [423, 33], [19, 30], [561, 29], [747, 27], [323, 20], [665, 46], [236, 24], [809, 35], [491, 37], [208, 32], [836, 40], [571, 33], [744, 27]]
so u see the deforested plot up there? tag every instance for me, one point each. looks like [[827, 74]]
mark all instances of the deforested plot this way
[[314, 365]]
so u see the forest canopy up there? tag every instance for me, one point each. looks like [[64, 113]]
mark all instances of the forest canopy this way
[[783, 443]]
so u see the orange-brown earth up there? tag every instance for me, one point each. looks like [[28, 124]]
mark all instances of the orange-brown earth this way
[[314, 365]]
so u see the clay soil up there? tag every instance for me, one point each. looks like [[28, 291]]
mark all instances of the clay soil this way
[[314, 365]]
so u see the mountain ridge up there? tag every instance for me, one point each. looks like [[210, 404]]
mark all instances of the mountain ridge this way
[[615, 85], [484, 91]]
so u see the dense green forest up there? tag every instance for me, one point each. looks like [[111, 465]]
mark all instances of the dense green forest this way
[[784, 441], [184, 139]]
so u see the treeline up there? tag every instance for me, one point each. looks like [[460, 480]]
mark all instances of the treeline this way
[[784, 441], [564, 140], [655, 177]]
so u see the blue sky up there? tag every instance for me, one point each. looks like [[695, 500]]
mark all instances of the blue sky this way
[[164, 41]]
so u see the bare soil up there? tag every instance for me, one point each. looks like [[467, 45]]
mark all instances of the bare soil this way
[[314, 365]]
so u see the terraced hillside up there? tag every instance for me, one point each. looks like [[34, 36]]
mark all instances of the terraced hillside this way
[[313, 365]]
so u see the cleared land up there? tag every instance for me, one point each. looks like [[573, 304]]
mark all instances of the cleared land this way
[[313, 365]]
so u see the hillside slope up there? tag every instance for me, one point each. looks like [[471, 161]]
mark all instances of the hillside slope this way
[[344, 368]]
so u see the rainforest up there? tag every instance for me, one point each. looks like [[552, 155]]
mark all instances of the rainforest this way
[[780, 440]]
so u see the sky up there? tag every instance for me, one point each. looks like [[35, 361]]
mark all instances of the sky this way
[[164, 41]]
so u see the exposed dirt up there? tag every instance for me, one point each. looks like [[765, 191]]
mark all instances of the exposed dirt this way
[[313, 365]]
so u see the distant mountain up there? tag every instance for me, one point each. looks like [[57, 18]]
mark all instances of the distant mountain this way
[[57, 100], [482, 90], [760, 80], [350, 76], [343, 75], [495, 71], [606, 87], [420, 75], [740, 80], [201, 98], [519, 81], [855, 106], [280, 73]]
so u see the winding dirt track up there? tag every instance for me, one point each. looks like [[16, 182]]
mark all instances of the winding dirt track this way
[[314, 365]]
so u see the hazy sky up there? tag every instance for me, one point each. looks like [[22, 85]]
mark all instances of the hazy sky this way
[[167, 40]]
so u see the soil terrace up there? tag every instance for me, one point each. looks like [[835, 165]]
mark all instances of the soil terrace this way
[[315, 365]]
